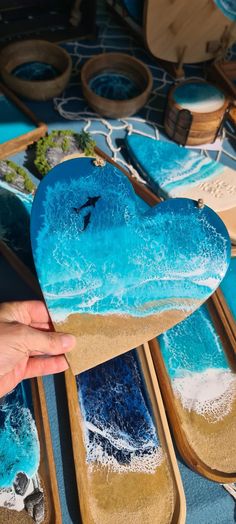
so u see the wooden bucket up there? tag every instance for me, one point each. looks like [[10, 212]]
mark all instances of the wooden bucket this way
[[195, 112]]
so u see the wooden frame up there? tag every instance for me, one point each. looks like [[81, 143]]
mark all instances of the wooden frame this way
[[183, 445], [160, 421], [47, 469], [21, 142]]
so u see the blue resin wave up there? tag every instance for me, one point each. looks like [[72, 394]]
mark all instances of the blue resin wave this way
[[114, 86], [197, 366], [96, 252], [118, 425], [198, 96], [167, 166], [228, 287], [19, 445], [15, 210], [135, 9], [9, 114], [228, 8]]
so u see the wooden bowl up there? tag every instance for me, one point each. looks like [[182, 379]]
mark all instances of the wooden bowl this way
[[28, 51], [124, 82]]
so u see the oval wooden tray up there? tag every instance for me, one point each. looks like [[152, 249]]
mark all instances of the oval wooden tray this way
[[109, 481], [178, 425]]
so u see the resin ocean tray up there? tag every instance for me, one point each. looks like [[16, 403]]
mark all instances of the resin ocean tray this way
[[26, 130], [46, 473], [196, 370], [132, 474]]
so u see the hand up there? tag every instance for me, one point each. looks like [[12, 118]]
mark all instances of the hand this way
[[28, 346]]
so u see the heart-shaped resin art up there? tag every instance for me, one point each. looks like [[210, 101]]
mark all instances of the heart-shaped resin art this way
[[114, 272]]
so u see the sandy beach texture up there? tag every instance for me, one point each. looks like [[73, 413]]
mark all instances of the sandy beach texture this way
[[130, 497], [100, 337], [214, 442]]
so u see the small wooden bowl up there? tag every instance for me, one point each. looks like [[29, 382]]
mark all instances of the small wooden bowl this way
[[128, 68], [28, 51]]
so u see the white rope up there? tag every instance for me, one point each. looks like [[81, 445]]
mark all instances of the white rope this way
[[231, 488]]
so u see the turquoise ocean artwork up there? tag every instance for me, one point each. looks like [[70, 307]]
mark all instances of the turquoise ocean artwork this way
[[228, 287], [13, 122], [20, 485], [228, 7], [204, 384], [107, 261], [19, 443], [15, 210], [174, 171], [118, 424], [198, 96], [199, 370]]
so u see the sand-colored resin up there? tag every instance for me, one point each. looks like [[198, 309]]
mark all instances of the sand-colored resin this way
[[100, 337], [213, 442], [130, 497]]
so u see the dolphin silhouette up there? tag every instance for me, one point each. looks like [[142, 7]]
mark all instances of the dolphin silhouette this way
[[91, 202]]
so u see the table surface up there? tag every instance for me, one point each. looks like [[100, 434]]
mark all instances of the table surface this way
[[207, 502]]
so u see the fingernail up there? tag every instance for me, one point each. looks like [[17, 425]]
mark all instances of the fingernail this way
[[67, 341]]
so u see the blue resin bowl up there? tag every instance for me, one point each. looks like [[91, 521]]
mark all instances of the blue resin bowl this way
[[36, 69], [116, 85]]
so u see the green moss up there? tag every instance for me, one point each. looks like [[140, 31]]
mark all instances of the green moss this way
[[65, 145], [83, 140], [9, 177], [86, 143], [19, 171]]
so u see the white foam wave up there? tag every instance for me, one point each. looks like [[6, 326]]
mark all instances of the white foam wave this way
[[143, 460], [209, 393]]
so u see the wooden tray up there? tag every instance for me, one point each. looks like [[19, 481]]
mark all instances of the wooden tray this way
[[47, 470], [174, 416], [224, 312], [81, 467], [20, 142]]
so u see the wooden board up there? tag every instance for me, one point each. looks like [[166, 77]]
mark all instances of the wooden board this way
[[122, 306], [185, 31], [82, 468], [186, 444], [21, 141]]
